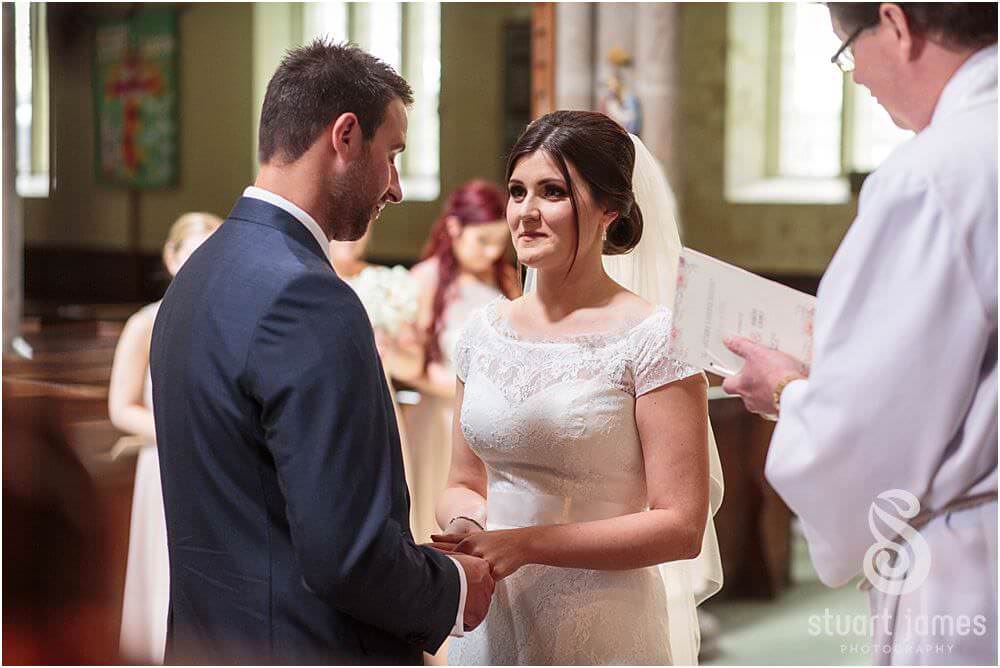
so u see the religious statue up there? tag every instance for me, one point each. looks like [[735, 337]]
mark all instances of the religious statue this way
[[617, 101]]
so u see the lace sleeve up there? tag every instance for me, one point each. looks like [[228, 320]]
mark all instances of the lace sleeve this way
[[466, 344], [653, 365]]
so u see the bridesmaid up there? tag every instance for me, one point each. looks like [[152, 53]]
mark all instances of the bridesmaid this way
[[463, 266], [147, 577], [402, 354]]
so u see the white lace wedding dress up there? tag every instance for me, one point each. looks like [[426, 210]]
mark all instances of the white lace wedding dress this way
[[554, 423]]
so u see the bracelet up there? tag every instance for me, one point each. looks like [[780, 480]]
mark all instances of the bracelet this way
[[780, 387], [463, 517]]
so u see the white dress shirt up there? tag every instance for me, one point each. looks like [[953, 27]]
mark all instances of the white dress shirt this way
[[296, 212], [902, 393], [310, 224]]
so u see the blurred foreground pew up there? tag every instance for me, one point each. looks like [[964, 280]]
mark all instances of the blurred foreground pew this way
[[56, 402]]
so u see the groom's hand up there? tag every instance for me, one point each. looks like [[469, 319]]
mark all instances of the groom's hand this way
[[479, 590], [765, 369]]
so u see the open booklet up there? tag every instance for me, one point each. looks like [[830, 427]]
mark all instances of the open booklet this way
[[715, 300]]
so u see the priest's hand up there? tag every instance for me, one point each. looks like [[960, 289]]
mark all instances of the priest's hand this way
[[764, 375]]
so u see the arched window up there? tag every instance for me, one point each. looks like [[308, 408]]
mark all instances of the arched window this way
[[407, 35], [796, 126], [31, 84]]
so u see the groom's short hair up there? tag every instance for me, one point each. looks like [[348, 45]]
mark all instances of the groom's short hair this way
[[317, 83]]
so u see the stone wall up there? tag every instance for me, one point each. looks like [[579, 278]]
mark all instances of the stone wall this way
[[769, 238]]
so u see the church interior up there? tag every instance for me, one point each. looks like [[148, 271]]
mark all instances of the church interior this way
[[119, 118]]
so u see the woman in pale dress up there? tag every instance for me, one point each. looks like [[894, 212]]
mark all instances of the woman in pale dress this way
[[401, 353], [147, 576], [463, 266], [583, 459]]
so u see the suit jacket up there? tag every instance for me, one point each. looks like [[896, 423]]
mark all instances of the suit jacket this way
[[283, 485]]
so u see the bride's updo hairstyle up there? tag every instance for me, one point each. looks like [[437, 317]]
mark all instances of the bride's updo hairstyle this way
[[603, 154]]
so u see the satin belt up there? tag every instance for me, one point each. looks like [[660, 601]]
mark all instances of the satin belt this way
[[523, 509]]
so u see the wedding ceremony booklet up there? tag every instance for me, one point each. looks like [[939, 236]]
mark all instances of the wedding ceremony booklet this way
[[715, 300]]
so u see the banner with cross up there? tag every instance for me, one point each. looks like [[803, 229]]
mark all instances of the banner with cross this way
[[135, 95]]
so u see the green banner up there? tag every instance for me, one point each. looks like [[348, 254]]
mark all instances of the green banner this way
[[135, 100]]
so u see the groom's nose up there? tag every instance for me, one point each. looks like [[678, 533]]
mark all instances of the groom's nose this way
[[395, 193]]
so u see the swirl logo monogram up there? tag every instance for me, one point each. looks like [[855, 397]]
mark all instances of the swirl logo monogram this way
[[898, 563]]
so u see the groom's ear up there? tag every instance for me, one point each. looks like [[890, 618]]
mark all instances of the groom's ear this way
[[346, 137]]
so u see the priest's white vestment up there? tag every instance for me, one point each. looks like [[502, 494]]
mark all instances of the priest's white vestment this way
[[902, 391]]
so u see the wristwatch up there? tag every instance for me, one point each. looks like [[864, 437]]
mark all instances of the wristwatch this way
[[780, 387]]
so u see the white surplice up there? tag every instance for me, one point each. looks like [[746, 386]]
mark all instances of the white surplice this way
[[902, 393]]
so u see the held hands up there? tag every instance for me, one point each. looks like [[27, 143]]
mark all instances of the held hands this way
[[479, 592], [478, 578], [506, 551], [765, 371]]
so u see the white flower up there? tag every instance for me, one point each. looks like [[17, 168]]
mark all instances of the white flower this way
[[391, 297]]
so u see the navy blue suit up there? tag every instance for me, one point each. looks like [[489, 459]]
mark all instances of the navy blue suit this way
[[286, 503]]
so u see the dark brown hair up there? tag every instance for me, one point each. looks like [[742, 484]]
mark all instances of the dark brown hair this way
[[603, 154], [955, 25], [317, 83]]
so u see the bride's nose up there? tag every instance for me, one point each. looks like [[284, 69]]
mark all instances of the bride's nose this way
[[529, 215]]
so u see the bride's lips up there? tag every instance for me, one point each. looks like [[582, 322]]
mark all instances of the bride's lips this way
[[531, 235]]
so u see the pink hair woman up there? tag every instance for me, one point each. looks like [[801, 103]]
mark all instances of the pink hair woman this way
[[464, 266]]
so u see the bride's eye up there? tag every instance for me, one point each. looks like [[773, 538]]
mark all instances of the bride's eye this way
[[554, 191], [516, 191]]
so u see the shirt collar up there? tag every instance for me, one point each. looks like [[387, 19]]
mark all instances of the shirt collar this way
[[296, 212], [974, 81]]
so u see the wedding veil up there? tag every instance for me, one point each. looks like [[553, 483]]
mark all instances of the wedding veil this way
[[650, 271]]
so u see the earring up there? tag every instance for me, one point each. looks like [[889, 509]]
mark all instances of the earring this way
[[605, 234]]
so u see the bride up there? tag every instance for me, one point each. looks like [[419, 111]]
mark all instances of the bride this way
[[583, 459]]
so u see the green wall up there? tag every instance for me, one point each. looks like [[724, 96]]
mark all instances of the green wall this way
[[772, 238], [228, 51], [215, 121], [471, 118]]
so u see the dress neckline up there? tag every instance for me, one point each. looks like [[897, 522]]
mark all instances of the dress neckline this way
[[498, 323]]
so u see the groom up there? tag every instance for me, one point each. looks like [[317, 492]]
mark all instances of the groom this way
[[283, 485]]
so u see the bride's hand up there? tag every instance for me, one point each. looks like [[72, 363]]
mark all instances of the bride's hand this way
[[506, 550], [462, 526], [458, 529]]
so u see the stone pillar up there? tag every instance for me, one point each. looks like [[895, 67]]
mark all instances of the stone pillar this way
[[13, 240], [615, 26], [574, 56], [657, 32]]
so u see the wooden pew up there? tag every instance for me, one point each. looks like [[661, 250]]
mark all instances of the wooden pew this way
[[67, 380], [753, 523], [55, 499]]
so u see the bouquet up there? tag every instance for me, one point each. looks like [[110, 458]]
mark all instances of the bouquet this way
[[391, 297]]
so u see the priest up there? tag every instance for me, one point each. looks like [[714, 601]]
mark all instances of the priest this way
[[886, 444]]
